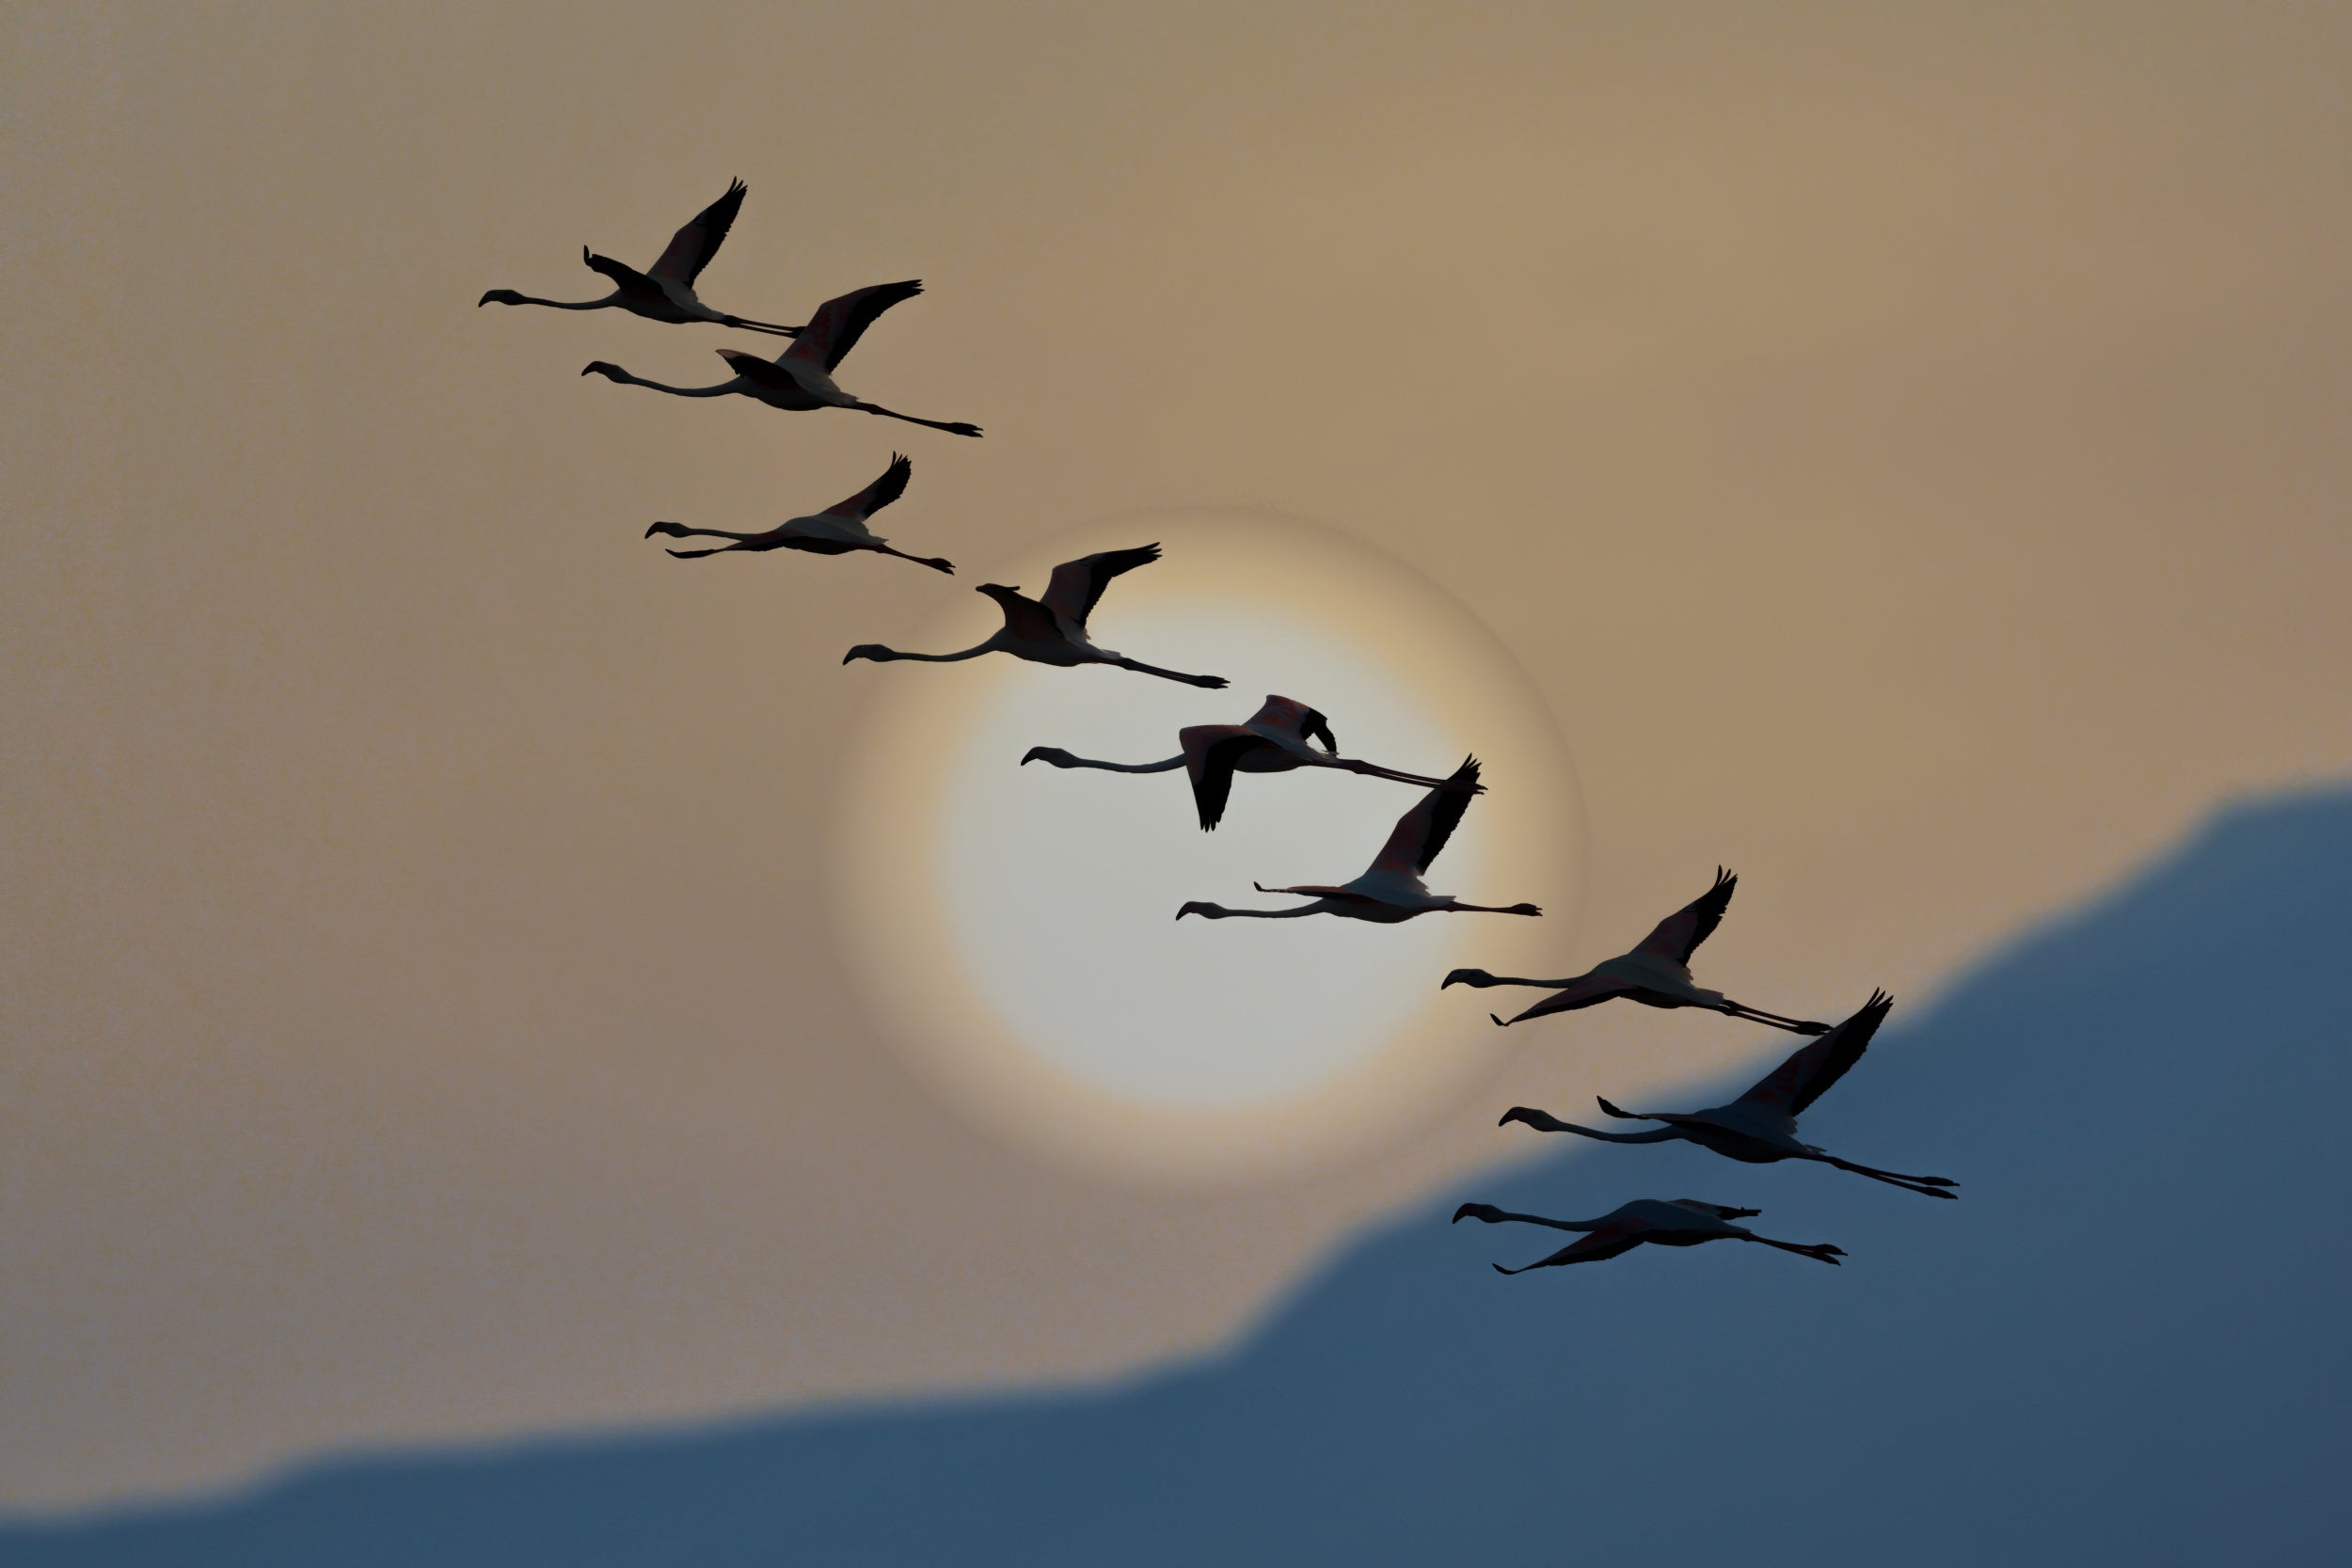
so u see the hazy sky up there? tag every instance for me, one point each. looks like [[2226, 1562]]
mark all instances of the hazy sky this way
[[1905, 445]]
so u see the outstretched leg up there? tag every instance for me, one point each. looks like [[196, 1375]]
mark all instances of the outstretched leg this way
[[955, 427], [1371, 771], [934, 563], [1757, 1015], [1820, 1252], [1212, 682], [1929, 1186], [763, 326]]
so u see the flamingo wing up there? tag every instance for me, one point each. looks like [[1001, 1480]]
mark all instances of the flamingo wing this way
[[628, 280], [1808, 1073], [1678, 935], [692, 246], [1211, 753], [840, 322], [1077, 585], [1421, 834], [877, 495], [1024, 616], [1587, 991], [1610, 1240]]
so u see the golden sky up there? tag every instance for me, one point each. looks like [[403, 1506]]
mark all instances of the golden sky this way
[[1905, 445]]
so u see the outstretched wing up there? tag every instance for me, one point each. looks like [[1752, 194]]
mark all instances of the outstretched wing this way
[[692, 246], [1587, 992], [1421, 832], [1210, 751], [1609, 1241], [1679, 934], [1807, 1073], [840, 322], [1290, 716], [627, 279], [877, 495], [1078, 585]]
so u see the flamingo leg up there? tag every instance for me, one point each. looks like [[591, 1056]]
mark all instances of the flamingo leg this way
[[1212, 683], [1929, 1186], [955, 427], [935, 562], [1757, 1015], [1820, 1252], [1371, 770]]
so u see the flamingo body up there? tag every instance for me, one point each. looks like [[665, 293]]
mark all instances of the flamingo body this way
[[838, 530], [1648, 1221], [1656, 974], [1275, 740], [799, 380], [667, 293], [1053, 631], [1760, 1127], [1390, 891]]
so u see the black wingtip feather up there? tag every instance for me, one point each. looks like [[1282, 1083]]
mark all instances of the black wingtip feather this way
[[1452, 800]]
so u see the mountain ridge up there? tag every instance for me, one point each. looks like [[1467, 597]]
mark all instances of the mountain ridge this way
[[2121, 1297]]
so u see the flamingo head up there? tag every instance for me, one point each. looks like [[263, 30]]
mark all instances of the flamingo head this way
[[504, 296]]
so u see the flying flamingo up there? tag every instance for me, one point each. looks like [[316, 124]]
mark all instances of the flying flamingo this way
[[1275, 741], [1760, 1127], [667, 293], [801, 378], [1393, 889], [836, 531], [1681, 1222], [1656, 974], [1053, 631]]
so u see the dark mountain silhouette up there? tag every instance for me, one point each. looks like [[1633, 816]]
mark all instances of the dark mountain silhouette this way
[[2126, 1343]]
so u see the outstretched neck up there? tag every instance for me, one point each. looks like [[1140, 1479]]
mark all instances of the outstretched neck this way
[[613, 373], [1061, 759], [508, 296], [883, 654], [1656, 1136]]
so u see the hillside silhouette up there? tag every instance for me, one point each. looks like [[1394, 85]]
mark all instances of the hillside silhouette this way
[[2144, 1281]]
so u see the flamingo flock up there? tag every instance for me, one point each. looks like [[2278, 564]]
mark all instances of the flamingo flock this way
[[1284, 734]]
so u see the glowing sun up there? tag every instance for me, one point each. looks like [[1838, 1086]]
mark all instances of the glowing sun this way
[[1013, 929]]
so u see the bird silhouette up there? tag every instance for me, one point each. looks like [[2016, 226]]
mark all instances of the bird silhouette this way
[[1678, 1222], [836, 531], [801, 378], [1391, 891], [1656, 974], [1273, 740], [1053, 631], [666, 293], [1760, 1127]]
